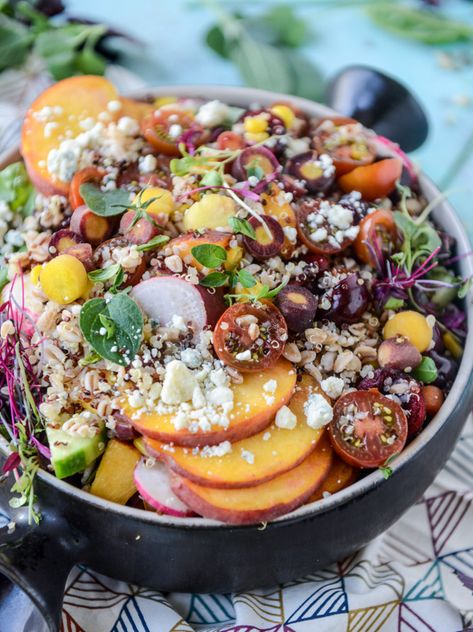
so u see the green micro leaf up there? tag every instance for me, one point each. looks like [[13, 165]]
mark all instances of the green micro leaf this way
[[105, 274], [246, 279], [214, 279], [154, 243], [209, 255], [123, 322], [211, 179], [426, 372], [465, 288], [105, 203], [394, 303], [242, 226], [16, 189]]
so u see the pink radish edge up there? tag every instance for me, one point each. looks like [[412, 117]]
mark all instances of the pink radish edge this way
[[154, 486], [395, 149]]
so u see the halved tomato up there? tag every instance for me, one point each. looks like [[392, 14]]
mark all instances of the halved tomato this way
[[250, 337], [345, 141], [162, 129], [367, 428], [230, 141], [377, 233], [329, 245], [373, 181], [89, 174]]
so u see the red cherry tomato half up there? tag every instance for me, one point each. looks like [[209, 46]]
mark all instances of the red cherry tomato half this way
[[373, 181], [89, 174], [345, 142], [156, 129], [377, 232], [367, 428], [304, 231], [250, 337], [230, 141]]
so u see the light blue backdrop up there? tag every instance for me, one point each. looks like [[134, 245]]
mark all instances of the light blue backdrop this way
[[174, 52]]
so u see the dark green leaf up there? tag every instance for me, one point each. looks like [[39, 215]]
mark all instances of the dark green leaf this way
[[105, 203], [420, 25], [15, 42], [426, 372], [242, 226], [246, 279], [209, 255], [154, 243], [16, 189], [89, 62], [214, 279], [125, 315], [105, 274], [118, 281], [215, 39]]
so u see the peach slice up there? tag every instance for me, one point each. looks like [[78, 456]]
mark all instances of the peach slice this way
[[183, 244], [56, 115], [275, 451], [135, 109], [340, 476], [251, 412], [263, 502], [284, 213], [114, 478]]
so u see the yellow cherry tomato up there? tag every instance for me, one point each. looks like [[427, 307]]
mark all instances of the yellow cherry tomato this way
[[63, 279], [285, 113], [411, 325], [211, 211], [255, 124]]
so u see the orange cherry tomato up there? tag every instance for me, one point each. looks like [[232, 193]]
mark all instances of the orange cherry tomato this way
[[239, 344], [368, 439], [346, 142], [230, 140], [156, 128], [378, 227], [373, 181], [89, 174], [433, 399]]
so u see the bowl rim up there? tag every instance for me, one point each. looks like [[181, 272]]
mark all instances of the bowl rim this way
[[444, 215]]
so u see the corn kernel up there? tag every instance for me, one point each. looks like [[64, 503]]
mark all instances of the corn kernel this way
[[285, 113], [255, 124]]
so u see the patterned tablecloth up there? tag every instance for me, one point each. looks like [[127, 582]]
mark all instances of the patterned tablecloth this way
[[418, 576]]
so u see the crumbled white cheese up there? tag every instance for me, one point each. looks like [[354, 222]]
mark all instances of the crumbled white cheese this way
[[216, 450], [49, 128], [270, 386], [285, 418], [114, 106], [198, 398], [220, 395], [147, 164], [340, 216], [319, 235], [333, 386], [212, 113], [318, 411], [291, 233], [266, 436], [243, 356], [175, 130], [191, 358], [178, 323], [128, 126], [179, 383], [248, 456]]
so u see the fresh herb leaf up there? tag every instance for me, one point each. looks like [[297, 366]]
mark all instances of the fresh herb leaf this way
[[3, 277], [105, 274], [105, 203], [108, 325], [394, 303], [211, 179], [182, 166], [16, 189], [246, 279], [122, 346], [242, 226], [386, 471], [214, 279], [154, 243], [90, 358], [465, 288], [15, 42], [265, 292], [420, 25], [118, 281], [426, 371], [209, 255]]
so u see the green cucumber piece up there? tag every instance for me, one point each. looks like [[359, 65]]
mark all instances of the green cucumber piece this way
[[72, 454]]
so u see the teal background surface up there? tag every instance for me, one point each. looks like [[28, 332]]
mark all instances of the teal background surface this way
[[173, 51]]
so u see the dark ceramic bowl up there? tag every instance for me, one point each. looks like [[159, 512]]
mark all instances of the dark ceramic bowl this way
[[200, 555]]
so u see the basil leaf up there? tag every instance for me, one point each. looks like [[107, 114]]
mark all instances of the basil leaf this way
[[105, 203], [214, 279], [216, 40], [426, 372], [122, 345], [157, 241], [242, 226], [16, 189], [105, 274], [423, 26], [209, 255], [246, 279], [15, 42]]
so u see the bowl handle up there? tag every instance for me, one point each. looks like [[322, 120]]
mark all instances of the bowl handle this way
[[35, 561]]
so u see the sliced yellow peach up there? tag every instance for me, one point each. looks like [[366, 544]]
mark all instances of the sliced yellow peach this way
[[183, 244], [253, 411], [263, 502], [281, 210], [58, 114], [134, 109], [272, 452], [340, 476], [114, 478]]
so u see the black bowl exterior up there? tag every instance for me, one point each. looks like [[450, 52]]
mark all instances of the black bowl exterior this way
[[188, 554], [381, 103]]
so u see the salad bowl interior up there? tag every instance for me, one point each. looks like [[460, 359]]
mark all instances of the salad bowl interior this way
[[170, 553]]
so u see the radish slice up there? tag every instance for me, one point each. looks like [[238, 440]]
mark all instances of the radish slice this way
[[154, 485], [163, 297], [393, 148]]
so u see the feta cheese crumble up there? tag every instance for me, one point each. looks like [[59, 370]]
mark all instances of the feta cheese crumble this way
[[333, 386], [285, 418], [318, 411]]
